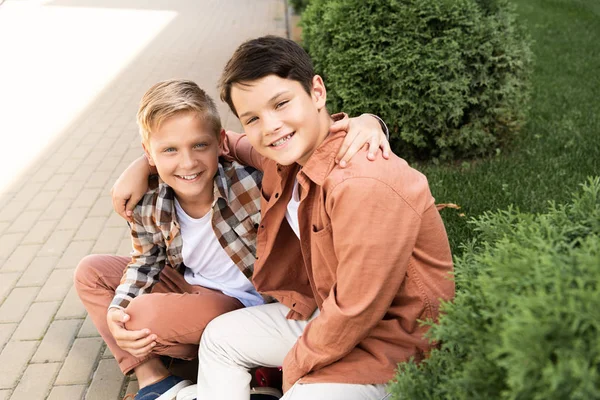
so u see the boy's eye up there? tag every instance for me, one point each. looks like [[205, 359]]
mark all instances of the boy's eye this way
[[281, 104], [169, 150], [251, 120], [200, 145]]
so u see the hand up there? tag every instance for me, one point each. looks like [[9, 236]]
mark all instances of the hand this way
[[362, 131], [137, 343], [130, 187]]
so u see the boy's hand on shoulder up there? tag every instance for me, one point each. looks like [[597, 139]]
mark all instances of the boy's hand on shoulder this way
[[137, 343], [364, 131], [130, 187]]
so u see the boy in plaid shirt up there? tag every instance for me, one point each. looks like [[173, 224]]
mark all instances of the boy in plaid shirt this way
[[201, 220]]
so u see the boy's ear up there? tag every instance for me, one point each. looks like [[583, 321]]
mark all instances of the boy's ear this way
[[148, 156], [319, 92], [221, 141]]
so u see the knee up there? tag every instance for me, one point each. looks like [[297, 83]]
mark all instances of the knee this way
[[144, 312], [216, 334], [86, 271]]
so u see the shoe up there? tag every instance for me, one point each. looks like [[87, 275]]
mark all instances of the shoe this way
[[265, 393], [188, 393], [165, 389], [260, 393]]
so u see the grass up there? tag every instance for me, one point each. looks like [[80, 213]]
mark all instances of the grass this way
[[559, 146]]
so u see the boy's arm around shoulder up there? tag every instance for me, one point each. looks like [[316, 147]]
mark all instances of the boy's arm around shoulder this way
[[236, 147], [148, 254], [371, 235]]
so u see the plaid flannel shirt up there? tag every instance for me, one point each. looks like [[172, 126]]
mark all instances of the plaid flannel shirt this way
[[156, 236]]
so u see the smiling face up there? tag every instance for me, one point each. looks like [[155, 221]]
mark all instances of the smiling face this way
[[281, 120], [185, 152]]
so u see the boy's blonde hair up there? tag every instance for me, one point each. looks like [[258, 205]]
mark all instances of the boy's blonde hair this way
[[168, 98]]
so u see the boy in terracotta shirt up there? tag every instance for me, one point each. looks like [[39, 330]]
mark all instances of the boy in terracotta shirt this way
[[372, 257]]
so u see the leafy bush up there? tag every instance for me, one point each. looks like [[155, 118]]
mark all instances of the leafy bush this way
[[525, 323], [449, 76], [298, 5]]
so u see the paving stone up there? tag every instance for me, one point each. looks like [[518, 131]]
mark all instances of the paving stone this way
[[102, 207], [13, 361], [73, 392], [124, 247], [5, 394], [72, 189], [57, 181], [57, 285], [83, 173], [57, 159], [74, 253], [36, 321], [20, 259], [108, 241], [56, 210], [116, 221], [43, 174], [86, 198], [88, 329], [9, 241], [82, 150], [39, 233], [41, 201], [16, 304], [97, 179], [57, 341], [24, 222], [108, 163], [38, 271], [107, 353], [79, 364], [6, 331], [73, 218], [7, 283], [132, 387], [12, 210], [90, 228], [107, 382], [36, 382], [4, 225], [28, 191], [56, 243], [69, 166], [71, 306]]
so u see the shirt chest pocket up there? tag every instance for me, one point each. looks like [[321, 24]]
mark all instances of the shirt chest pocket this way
[[323, 259]]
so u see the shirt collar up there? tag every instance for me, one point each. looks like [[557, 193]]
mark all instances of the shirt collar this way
[[322, 161]]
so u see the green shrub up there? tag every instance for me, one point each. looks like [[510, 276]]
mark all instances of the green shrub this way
[[298, 5], [525, 323], [449, 76]]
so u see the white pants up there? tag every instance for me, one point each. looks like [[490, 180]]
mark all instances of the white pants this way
[[235, 342]]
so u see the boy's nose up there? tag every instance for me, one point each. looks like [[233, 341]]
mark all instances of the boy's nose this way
[[271, 125], [187, 160]]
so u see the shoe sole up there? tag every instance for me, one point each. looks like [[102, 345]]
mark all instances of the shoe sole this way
[[171, 394]]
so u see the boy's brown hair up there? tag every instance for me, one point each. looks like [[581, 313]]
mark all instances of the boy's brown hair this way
[[168, 98], [267, 55]]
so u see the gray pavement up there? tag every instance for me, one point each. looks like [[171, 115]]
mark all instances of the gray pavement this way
[[89, 62]]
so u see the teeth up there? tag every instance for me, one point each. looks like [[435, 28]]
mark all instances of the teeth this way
[[282, 140], [188, 177]]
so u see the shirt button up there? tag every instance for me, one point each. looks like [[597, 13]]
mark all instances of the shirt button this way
[[262, 227], [276, 195]]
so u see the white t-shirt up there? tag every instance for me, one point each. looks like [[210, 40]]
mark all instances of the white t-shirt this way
[[208, 264], [291, 213]]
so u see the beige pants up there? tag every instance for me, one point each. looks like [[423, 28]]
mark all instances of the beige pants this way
[[260, 336], [175, 311]]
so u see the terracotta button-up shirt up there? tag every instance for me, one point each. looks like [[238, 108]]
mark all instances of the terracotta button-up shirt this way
[[373, 255]]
